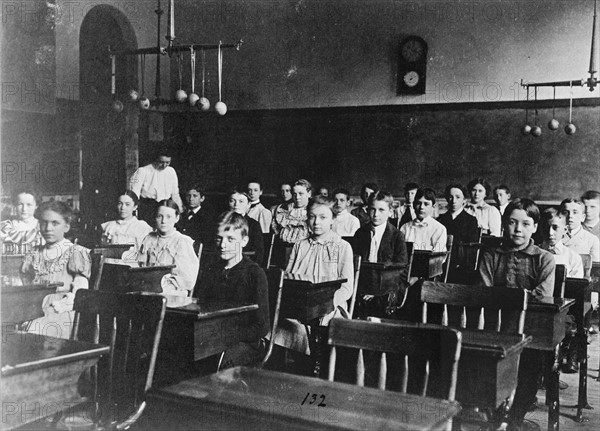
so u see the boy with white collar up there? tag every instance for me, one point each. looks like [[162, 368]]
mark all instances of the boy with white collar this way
[[424, 232], [577, 238], [344, 223], [554, 228]]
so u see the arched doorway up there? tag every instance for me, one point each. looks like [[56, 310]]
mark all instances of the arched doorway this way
[[107, 137]]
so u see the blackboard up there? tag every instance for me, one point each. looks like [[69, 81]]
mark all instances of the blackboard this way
[[433, 145]]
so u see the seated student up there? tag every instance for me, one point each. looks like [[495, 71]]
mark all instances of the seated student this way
[[57, 261], [323, 192], [285, 193], [235, 278], [240, 203], [554, 228], [257, 210], [406, 212], [424, 232], [198, 221], [344, 223], [501, 197], [577, 238], [379, 241], [127, 229], [461, 225], [25, 229], [166, 246], [323, 254], [362, 212], [290, 226], [522, 265], [488, 217], [591, 201]]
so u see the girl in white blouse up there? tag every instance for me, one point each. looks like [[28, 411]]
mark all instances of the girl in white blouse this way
[[488, 217]]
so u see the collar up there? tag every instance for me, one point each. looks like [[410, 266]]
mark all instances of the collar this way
[[62, 244], [254, 204], [574, 232], [483, 204], [343, 214], [591, 227], [556, 249], [530, 250], [423, 222], [124, 222], [329, 237], [456, 214], [379, 229]]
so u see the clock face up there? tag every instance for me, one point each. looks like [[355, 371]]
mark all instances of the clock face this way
[[413, 50], [411, 78]]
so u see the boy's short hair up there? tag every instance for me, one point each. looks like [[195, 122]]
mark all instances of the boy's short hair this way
[[231, 220], [410, 186], [371, 186], [341, 192], [502, 187], [255, 181], [483, 182], [563, 204], [524, 204], [455, 186], [590, 195], [195, 186], [426, 193], [322, 201], [381, 195], [163, 151], [549, 213], [304, 183]]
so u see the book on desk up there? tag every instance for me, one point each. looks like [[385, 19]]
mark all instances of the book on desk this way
[[118, 276]]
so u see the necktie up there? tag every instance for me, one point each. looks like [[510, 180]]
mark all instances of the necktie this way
[[420, 223], [252, 205], [190, 215], [407, 216], [374, 247]]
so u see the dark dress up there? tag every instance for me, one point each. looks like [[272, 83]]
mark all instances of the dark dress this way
[[464, 229]]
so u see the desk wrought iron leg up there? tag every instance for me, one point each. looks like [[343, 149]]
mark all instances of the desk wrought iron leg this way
[[552, 391], [582, 402]]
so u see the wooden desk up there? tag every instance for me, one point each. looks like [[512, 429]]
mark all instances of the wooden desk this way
[[426, 264], [379, 278], [250, 399], [119, 277], [308, 298], [114, 251], [40, 375], [580, 289], [488, 367], [545, 321], [194, 331], [23, 303]]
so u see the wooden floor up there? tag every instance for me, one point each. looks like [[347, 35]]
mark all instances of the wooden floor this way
[[568, 397]]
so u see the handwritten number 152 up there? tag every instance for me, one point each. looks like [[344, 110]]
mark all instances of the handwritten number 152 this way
[[313, 399]]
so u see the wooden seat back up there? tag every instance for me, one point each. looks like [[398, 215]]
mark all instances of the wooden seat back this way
[[131, 325], [458, 305], [275, 283], [357, 262], [586, 260], [423, 359], [560, 274]]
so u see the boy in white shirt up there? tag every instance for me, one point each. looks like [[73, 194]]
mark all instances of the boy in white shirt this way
[[554, 228], [577, 238], [591, 201], [344, 223], [424, 232]]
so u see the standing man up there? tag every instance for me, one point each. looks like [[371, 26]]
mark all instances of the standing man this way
[[154, 183]]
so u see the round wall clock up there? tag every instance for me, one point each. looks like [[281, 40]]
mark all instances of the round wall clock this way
[[412, 65]]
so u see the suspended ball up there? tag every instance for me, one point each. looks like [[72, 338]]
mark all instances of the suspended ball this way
[[180, 96], [526, 130], [117, 106], [203, 104], [221, 108], [570, 129], [193, 99], [553, 124], [536, 131], [144, 103], [133, 95]]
